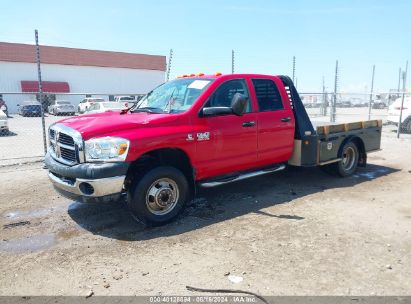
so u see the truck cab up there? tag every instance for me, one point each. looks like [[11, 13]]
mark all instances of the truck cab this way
[[201, 130]]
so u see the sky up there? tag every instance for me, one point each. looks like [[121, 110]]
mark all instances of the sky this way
[[264, 34]]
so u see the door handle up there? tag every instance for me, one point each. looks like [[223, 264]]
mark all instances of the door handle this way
[[285, 119], [248, 124]]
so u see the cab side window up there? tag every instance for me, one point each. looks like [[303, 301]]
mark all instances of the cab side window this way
[[268, 96], [223, 96]]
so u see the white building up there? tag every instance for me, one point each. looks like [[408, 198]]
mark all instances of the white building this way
[[68, 70]]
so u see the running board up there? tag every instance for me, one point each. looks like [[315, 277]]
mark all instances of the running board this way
[[241, 177]]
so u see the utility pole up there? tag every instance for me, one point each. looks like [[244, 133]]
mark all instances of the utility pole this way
[[170, 57], [372, 89], [334, 101], [43, 123], [294, 69], [232, 61], [324, 105], [404, 81]]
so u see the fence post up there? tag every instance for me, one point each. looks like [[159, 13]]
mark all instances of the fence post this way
[[294, 70], [232, 61], [169, 64], [334, 102], [43, 123], [324, 104], [404, 81], [372, 89]]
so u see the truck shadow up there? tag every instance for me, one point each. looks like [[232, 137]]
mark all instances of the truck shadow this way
[[221, 203]]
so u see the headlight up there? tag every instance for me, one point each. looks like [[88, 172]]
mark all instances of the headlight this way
[[106, 149]]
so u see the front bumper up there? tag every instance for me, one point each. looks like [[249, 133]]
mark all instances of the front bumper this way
[[87, 181]]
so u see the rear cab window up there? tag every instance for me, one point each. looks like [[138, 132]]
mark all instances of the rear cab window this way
[[268, 95]]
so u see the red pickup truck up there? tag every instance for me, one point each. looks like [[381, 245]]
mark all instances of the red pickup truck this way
[[198, 130]]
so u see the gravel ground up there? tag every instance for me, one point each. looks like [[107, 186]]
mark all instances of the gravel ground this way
[[296, 232]]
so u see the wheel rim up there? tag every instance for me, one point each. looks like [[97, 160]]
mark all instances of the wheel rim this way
[[348, 159], [162, 196]]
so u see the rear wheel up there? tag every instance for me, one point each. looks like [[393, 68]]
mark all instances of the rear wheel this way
[[348, 163], [158, 197]]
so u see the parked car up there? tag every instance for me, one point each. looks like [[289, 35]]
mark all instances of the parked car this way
[[58, 107], [3, 107], [394, 113], [4, 127], [87, 102], [378, 104], [128, 101], [344, 104], [29, 108], [198, 131], [100, 107]]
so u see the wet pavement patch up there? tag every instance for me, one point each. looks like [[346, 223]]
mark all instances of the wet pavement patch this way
[[372, 174], [28, 244]]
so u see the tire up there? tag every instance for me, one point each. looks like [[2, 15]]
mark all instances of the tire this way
[[349, 163], [158, 197], [406, 126]]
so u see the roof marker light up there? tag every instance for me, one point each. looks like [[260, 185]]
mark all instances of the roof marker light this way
[[191, 75], [218, 74], [200, 74]]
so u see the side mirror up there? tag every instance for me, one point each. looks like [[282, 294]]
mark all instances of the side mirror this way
[[239, 104], [214, 111], [18, 105]]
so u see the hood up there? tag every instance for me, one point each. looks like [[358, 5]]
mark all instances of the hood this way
[[100, 124]]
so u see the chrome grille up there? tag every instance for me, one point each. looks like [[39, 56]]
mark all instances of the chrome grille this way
[[66, 144], [66, 139], [68, 154], [52, 134]]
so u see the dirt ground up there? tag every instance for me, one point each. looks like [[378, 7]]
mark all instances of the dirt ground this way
[[296, 232]]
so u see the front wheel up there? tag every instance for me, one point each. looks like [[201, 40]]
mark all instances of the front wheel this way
[[158, 197]]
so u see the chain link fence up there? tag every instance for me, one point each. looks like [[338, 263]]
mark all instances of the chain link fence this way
[[22, 138]]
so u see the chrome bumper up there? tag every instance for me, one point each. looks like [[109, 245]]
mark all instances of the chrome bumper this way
[[89, 187]]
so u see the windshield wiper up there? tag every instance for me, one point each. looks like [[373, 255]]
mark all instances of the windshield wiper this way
[[135, 104], [148, 110]]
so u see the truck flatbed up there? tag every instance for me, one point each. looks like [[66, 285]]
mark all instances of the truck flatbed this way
[[322, 143], [325, 146]]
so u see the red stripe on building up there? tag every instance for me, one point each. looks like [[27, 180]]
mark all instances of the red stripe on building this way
[[17, 52], [48, 86]]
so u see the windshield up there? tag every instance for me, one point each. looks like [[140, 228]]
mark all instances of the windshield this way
[[127, 98], [173, 97], [97, 100], [63, 102]]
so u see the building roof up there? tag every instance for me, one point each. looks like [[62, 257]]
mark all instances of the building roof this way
[[17, 52]]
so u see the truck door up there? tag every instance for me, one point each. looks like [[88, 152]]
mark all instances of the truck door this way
[[228, 142], [275, 122]]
